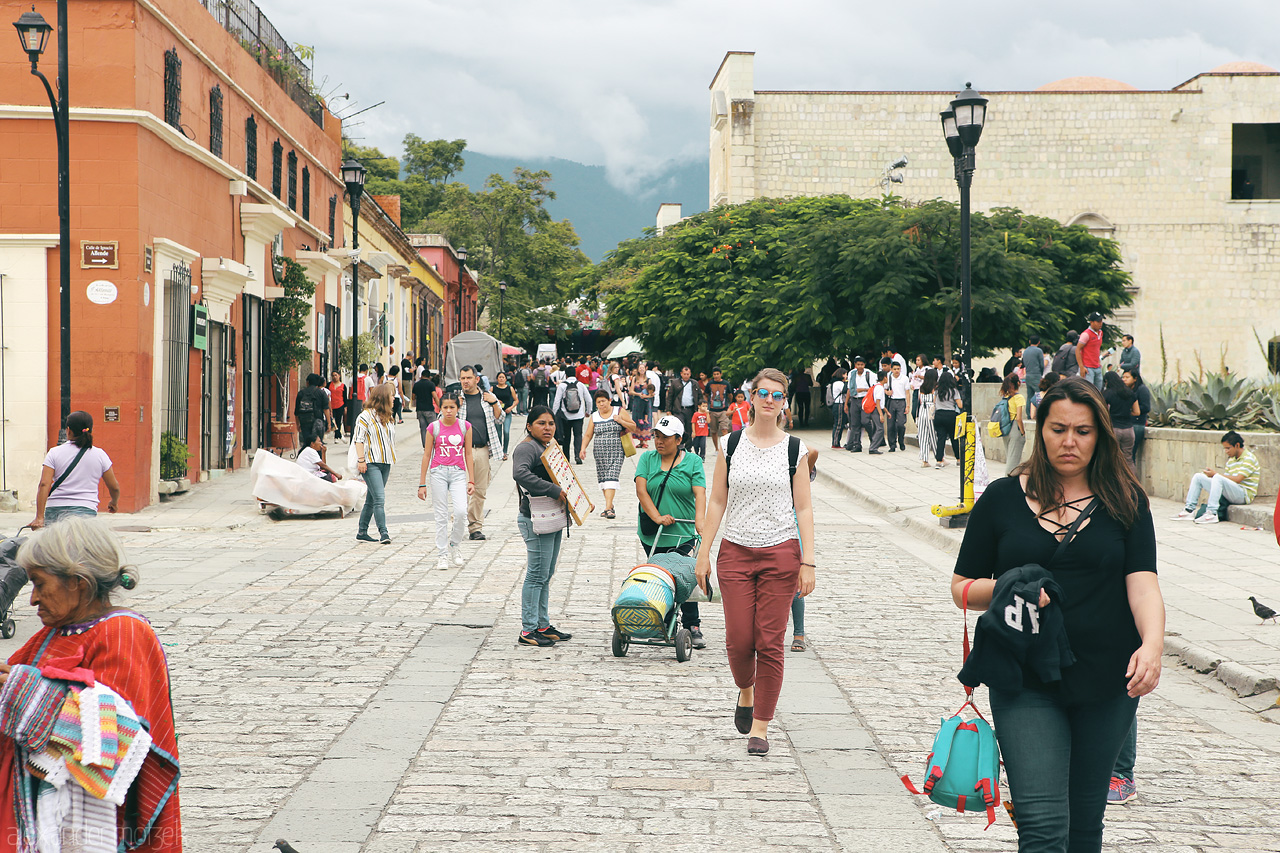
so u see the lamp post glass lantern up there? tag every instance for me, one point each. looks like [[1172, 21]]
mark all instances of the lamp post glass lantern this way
[[502, 306], [33, 34], [461, 254], [353, 175]]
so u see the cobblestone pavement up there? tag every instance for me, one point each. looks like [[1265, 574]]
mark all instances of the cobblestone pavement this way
[[348, 697]]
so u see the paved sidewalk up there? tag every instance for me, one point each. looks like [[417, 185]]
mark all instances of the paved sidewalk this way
[[1207, 573]]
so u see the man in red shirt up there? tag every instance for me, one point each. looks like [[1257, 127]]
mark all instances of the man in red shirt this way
[[583, 372], [1088, 351]]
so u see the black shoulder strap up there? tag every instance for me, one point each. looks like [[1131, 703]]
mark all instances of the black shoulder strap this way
[[70, 468], [1071, 531], [793, 459], [729, 447]]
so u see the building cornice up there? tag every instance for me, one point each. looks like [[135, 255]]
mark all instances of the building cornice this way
[[22, 241], [264, 221], [171, 247]]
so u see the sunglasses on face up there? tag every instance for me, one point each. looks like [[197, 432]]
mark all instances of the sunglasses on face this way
[[764, 394]]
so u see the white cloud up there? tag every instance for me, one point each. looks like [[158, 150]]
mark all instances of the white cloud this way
[[624, 83]]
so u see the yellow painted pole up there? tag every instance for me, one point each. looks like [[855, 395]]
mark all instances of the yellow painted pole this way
[[966, 428]]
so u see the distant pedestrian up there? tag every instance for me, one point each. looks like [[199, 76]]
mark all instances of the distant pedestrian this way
[[540, 385], [606, 426], [739, 411], [925, 434], [1237, 485], [375, 441], [701, 429], [542, 550], [801, 394], [836, 392], [1064, 360], [916, 380], [397, 399], [1048, 381], [338, 395], [70, 475], [859, 383], [1033, 362], [896, 391], [1122, 402], [1133, 379], [507, 397], [640, 393], [1130, 356], [447, 475], [424, 403], [683, 397], [719, 395], [570, 408], [947, 405], [768, 518], [482, 410], [1015, 439], [520, 382], [1088, 351]]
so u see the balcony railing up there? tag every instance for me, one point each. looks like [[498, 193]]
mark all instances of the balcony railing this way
[[244, 20]]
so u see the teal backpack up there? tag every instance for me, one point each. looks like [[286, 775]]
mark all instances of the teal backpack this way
[[1000, 414], [963, 769]]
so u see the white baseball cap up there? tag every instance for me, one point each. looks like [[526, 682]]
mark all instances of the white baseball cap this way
[[669, 425]]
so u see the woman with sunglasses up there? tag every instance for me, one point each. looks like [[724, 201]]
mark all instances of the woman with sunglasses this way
[[759, 564]]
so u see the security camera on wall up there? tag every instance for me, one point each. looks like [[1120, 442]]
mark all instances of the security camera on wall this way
[[900, 163]]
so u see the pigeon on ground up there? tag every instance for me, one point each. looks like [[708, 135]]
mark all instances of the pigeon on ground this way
[[1263, 611], [284, 846]]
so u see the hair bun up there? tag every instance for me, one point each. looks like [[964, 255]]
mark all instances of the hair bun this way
[[127, 580]]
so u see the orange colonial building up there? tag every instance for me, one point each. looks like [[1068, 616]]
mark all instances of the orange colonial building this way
[[197, 153]]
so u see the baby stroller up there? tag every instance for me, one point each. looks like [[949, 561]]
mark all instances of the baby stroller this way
[[647, 609], [12, 579]]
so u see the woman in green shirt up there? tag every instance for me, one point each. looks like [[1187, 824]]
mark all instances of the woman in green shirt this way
[[671, 484]]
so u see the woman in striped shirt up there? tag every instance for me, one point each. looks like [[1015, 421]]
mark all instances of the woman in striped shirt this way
[[375, 441]]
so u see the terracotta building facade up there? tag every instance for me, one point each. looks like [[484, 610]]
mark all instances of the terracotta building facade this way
[[195, 165]]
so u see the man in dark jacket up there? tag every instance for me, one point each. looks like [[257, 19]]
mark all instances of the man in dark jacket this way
[[310, 407], [683, 397]]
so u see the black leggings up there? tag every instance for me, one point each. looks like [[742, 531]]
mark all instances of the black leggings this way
[[944, 426]]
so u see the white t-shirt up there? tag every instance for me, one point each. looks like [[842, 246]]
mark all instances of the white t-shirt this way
[[837, 391], [898, 386], [81, 487], [760, 510], [309, 459], [656, 381]]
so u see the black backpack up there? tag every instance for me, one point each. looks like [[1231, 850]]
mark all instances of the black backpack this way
[[517, 379], [793, 456], [540, 380]]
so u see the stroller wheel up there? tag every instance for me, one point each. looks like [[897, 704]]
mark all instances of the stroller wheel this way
[[8, 629], [620, 643], [684, 645]]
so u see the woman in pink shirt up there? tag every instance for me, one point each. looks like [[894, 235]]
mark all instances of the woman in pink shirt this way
[[447, 457], [69, 478]]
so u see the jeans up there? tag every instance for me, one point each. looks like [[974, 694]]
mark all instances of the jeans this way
[[944, 425], [543, 549], [449, 486], [1058, 759], [837, 424], [797, 614], [375, 478], [1218, 488], [896, 415], [1094, 375], [425, 417], [700, 446], [1013, 444], [504, 428], [522, 400], [53, 513], [1128, 754]]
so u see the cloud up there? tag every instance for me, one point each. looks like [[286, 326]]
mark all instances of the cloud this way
[[624, 84]]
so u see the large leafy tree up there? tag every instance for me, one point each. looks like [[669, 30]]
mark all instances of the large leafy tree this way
[[782, 282]]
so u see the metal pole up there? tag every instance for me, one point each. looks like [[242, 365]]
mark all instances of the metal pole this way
[[355, 307], [502, 310], [964, 177], [62, 123]]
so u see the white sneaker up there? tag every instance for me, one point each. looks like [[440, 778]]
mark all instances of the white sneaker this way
[[457, 556], [1183, 515], [442, 564], [1208, 518]]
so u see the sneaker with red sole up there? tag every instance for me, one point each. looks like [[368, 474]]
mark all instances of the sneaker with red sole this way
[[1121, 791]]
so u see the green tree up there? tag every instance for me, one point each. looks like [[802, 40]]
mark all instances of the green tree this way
[[287, 345], [783, 282], [377, 164], [435, 161]]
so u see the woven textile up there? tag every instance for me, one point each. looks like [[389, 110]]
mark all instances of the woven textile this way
[[29, 705], [641, 608]]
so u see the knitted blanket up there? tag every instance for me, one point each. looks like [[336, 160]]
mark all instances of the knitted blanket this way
[[29, 705]]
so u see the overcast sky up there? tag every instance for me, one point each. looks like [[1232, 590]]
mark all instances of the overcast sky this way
[[623, 83]]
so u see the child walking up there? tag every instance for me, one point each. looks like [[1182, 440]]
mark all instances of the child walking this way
[[739, 411], [447, 458], [701, 429]]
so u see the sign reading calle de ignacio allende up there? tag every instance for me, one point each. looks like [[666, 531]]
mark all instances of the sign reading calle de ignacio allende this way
[[100, 255]]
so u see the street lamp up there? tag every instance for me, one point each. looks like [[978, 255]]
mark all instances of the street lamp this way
[[33, 33], [502, 305], [353, 175], [462, 262], [962, 128]]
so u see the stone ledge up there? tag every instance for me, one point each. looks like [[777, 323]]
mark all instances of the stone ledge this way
[[167, 488], [1243, 680], [1201, 660]]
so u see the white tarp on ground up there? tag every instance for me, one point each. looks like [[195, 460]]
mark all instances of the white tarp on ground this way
[[471, 348], [284, 483]]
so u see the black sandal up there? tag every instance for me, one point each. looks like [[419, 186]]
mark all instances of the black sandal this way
[[608, 513]]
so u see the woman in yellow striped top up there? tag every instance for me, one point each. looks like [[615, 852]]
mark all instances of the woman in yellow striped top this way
[[375, 441]]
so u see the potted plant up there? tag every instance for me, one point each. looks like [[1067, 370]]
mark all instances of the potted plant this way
[[287, 345]]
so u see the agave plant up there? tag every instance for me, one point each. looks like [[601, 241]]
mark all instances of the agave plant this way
[[1163, 398], [1265, 412], [1220, 402]]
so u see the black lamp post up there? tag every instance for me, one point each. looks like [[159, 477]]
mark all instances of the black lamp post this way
[[502, 305], [33, 33], [353, 175], [962, 128], [462, 262]]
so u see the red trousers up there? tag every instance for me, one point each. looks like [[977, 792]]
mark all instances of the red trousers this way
[[757, 585]]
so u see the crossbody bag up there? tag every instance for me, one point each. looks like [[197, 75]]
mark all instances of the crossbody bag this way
[[648, 526], [67, 473]]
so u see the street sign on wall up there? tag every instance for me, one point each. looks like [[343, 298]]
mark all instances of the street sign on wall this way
[[199, 327], [100, 255]]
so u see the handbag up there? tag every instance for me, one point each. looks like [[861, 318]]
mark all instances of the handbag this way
[[547, 514], [67, 473], [648, 526], [628, 446]]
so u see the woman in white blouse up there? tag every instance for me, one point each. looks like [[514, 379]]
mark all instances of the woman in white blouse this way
[[768, 527], [375, 441]]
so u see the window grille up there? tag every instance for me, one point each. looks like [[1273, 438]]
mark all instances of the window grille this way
[[277, 159], [251, 147], [333, 215], [306, 194], [293, 180], [172, 87], [215, 121]]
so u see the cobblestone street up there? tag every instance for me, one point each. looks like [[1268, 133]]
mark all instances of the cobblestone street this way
[[348, 696]]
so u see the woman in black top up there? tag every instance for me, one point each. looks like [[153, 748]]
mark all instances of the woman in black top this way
[[543, 549], [1059, 740], [507, 396], [1122, 403]]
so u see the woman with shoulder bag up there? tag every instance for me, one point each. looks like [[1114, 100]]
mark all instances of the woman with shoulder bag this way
[[1059, 740], [760, 566], [70, 475], [542, 503], [608, 425]]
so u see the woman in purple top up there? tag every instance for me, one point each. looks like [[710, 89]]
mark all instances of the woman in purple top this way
[[69, 479]]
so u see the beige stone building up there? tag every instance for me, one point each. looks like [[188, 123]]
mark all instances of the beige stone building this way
[[1187, 180]]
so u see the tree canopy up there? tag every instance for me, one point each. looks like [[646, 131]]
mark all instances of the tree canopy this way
[[783, 282]]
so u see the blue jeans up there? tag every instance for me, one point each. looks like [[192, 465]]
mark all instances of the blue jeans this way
[[1094, 375], [504, 427], [375, 477], [797, 614], [1128, 754], [543, 549], [522, 400], [1218, 487], [53, 513], [1059, 759]]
